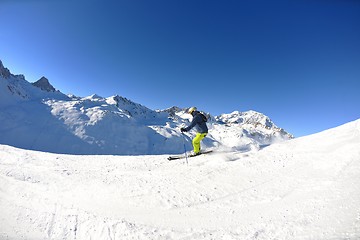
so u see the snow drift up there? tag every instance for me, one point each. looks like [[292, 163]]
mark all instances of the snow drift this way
[[306, 188]]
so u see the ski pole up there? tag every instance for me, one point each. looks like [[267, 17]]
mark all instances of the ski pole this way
[[185, 148]]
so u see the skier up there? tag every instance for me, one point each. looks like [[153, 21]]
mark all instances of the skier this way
[[199, 120]]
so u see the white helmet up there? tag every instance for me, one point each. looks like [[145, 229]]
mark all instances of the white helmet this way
[[192, 109]]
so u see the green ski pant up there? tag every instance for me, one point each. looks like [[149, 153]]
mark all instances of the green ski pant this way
[[196, 141]]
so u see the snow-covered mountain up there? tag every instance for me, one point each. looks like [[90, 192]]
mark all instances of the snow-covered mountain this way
[[305, 188], [36, 116]]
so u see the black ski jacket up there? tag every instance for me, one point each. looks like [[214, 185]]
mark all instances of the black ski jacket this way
[[198, 122]]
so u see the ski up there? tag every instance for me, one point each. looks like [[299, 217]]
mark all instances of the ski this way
[[189, 156]]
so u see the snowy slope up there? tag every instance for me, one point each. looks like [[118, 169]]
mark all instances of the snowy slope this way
[[37, 117], [306, 188]]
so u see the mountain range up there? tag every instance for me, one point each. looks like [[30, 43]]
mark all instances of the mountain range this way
[[36, 116]]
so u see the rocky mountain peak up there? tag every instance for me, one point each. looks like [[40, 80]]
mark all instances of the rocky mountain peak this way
[[43, 84], [4, 72]]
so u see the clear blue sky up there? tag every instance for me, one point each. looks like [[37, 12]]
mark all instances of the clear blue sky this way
[[296, 61]]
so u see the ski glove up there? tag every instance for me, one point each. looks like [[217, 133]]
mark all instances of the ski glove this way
[[183, 129]]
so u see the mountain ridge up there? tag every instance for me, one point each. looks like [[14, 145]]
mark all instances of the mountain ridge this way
[[51, 121]]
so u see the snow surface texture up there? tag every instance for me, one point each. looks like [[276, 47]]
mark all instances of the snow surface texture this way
[[306, 188], [37, 117]]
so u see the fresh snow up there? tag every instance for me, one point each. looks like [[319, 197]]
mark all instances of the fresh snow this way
[[305, 188]]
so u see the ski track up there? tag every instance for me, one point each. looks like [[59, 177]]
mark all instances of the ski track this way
[[292, 190]]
